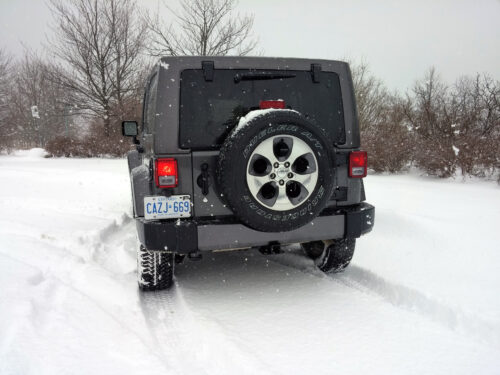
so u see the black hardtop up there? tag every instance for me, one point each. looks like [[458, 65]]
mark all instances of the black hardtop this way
[[168, 71]]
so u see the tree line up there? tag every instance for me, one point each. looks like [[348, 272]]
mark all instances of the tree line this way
[[441, 129], [72, 99], [98, 58]]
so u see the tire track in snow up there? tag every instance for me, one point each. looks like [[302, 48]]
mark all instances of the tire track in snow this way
[[198, 345], [172, 323], [413, 300], [400, 296], [163, 326], [184, 340], [99, 246], [63, 277], [155, 306]]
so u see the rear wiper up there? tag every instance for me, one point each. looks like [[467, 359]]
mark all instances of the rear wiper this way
[[251, 76]]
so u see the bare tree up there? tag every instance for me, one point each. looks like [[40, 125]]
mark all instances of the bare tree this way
[[202, 27], [431, 118], [30, 86], [371, 96], [5, 70], [475, 102], [384, 133], [99, 45], [5, 64]]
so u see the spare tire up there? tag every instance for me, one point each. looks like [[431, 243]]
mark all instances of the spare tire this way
[[276, 170]]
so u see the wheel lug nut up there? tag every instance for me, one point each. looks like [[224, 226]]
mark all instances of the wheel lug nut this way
[[273, 176], [290, 175], [276, 165], [282, 182], [287, 164]]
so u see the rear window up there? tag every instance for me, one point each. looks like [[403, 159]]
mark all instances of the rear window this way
[[150, 106], [210, 109]]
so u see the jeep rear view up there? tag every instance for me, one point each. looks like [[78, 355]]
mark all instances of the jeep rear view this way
[[243, 152]]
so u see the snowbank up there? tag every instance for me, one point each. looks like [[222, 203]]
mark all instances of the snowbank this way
[[33, 153]]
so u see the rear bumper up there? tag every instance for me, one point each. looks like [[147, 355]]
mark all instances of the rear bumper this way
[[188, 235]]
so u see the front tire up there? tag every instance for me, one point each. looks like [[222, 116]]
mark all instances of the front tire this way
[[331, 256], [155, 269]]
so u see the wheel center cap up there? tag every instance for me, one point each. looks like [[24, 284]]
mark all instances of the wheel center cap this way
[[282, 172]]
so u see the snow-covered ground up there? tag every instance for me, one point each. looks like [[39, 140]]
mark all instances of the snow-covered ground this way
[[421, 297]]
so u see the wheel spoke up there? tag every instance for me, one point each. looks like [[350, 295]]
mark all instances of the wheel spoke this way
[[283, 199], [256, 182], [298, 149], [303, 179], [265, 149]]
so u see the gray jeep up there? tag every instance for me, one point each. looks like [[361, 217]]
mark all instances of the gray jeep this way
[[246, 152]]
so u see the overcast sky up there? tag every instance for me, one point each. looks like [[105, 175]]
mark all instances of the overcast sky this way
[[399, 39]]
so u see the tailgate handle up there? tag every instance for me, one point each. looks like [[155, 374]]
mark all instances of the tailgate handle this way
[[203, 179]]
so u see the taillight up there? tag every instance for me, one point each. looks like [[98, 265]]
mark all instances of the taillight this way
[[166, 173], [358, 163], [266, 104]]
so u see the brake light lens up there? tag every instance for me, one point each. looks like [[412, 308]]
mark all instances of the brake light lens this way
[[166, 173], [358, 164], [266, 104]]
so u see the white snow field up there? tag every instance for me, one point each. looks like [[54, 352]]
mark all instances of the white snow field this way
[[421, 297]]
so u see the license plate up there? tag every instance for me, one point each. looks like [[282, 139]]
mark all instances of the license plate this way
[[160, 207]]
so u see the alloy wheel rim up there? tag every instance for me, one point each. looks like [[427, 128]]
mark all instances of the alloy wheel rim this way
[[282, 172]]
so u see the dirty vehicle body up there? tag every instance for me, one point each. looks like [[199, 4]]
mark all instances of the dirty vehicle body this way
[[244, 152]]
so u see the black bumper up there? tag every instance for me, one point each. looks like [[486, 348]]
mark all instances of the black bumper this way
[[186, 236]]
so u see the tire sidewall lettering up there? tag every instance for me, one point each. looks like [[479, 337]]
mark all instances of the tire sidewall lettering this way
[[275, 125]]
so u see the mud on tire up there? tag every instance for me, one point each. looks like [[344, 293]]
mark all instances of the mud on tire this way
[[155, 269], [280, 174]]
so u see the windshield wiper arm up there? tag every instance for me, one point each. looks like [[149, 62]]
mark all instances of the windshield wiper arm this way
[[253, 76]]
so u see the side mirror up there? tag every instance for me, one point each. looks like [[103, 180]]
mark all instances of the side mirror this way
[[130, 129]]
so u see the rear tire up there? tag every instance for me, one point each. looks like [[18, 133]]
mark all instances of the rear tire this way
[[155, 269], [331, 256]]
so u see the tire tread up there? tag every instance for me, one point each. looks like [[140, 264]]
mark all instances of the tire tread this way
[[335, 256], [155, 269]]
